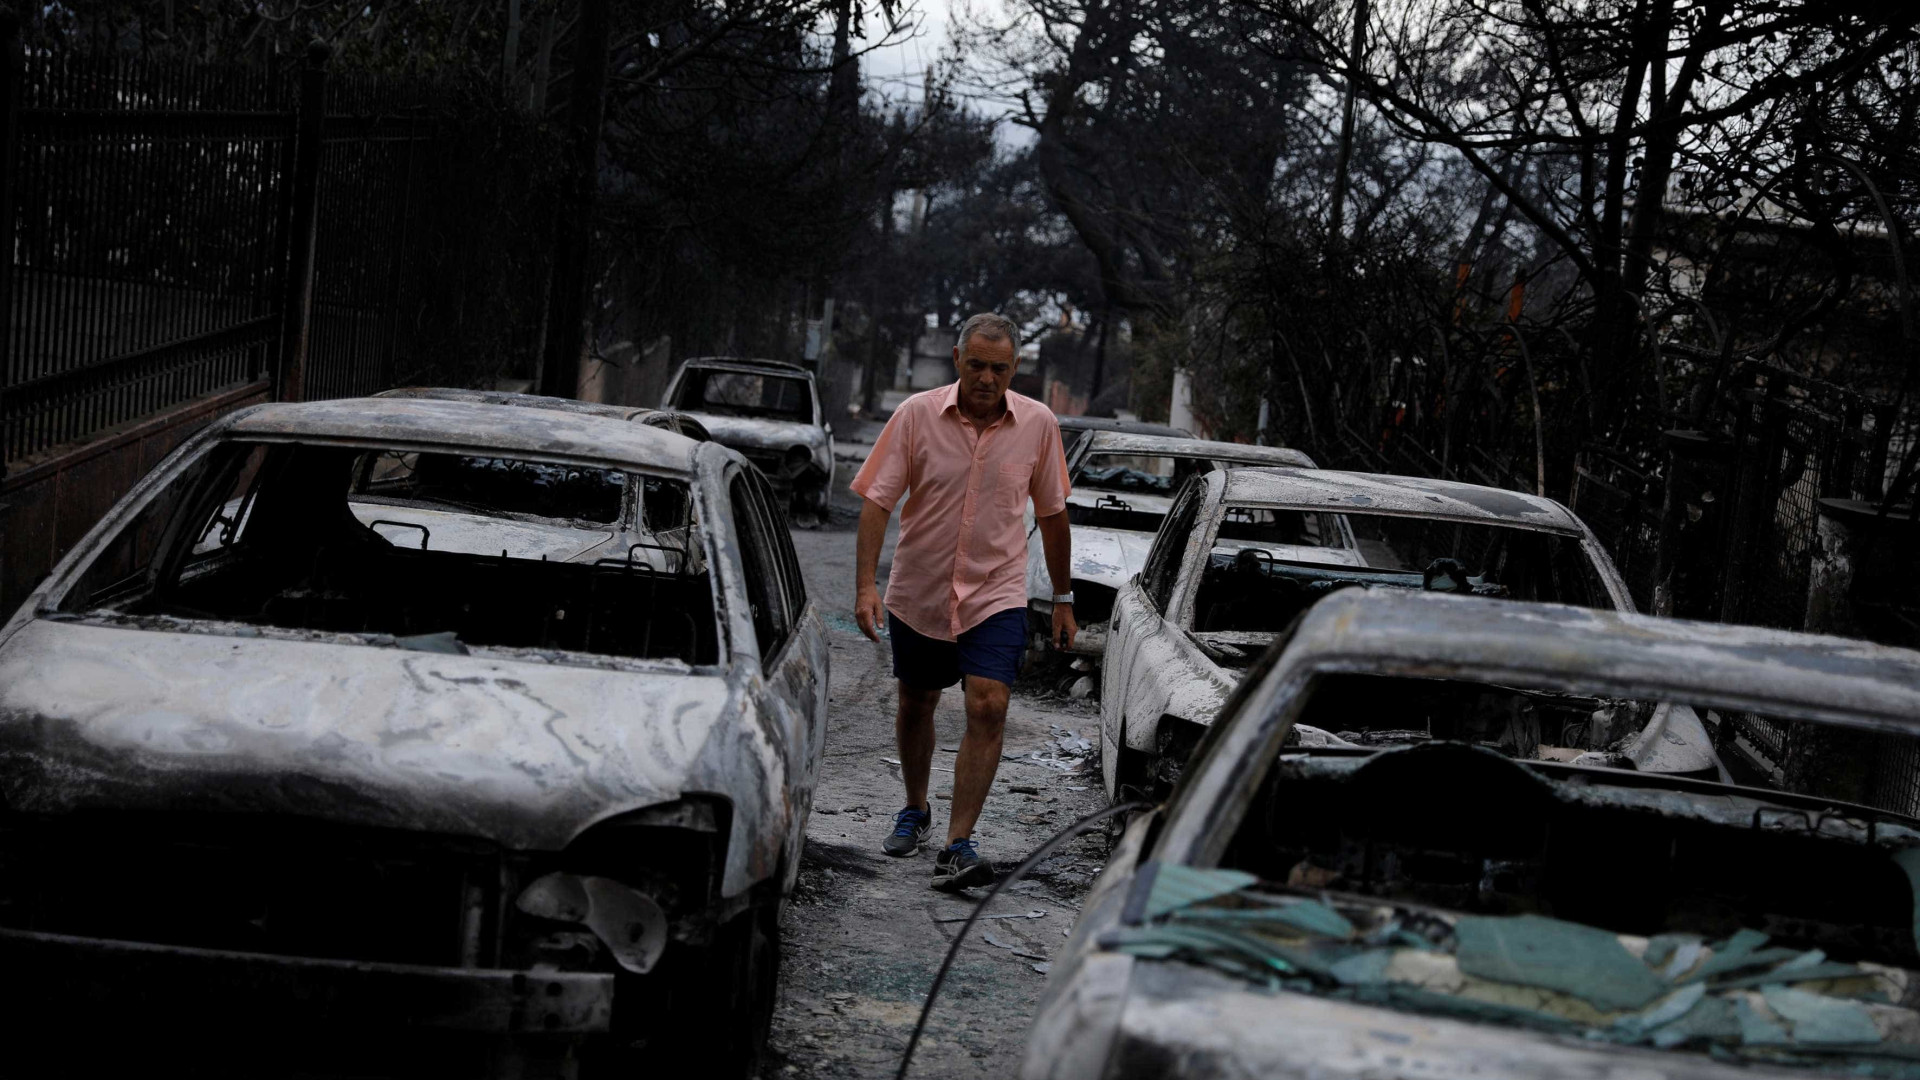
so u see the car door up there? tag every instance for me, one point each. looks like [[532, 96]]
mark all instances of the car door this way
[[800, 674], [791, 639], [1139, 625]]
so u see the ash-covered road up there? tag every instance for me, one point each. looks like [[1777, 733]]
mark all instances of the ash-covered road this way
[[862, 938]]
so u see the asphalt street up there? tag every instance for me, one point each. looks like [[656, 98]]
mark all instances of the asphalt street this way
[[863, 936]]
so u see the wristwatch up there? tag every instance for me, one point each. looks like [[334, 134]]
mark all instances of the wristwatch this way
[[1063, 598]]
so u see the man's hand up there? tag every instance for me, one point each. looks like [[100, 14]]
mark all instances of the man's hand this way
[[1065, 627], [868, 611]]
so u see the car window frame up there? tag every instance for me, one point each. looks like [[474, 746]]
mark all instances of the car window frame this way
[[1200, 541], [1190, 493], [781, 621], [793, 580]]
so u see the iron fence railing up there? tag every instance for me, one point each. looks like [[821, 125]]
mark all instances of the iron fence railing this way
[[178, 230], [145, 216]]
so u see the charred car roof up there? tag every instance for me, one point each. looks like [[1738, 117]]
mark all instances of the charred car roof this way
[[735, 363], [1108, 423], [531, 401], [469, 425], [1836, 679], [1128, 442], [1379, 493]]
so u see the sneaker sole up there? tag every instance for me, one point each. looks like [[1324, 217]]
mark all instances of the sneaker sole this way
[[977, 874]]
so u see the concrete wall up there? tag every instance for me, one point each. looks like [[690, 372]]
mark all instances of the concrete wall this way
[[48, 504]]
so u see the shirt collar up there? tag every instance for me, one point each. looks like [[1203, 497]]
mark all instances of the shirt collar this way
[[951, 400]]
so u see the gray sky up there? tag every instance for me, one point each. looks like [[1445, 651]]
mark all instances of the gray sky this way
[[897, 69]]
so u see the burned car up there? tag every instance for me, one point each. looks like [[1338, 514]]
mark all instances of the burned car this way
[[410, 715], [1441, 909], [1123, 483], [770, 412], [1244, 552]]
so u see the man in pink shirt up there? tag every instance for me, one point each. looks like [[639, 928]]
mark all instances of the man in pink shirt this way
[[971, 454]]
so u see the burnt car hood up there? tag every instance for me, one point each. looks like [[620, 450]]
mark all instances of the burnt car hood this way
[[758, 434], [523, 753]]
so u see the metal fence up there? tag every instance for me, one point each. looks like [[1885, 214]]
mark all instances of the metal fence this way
[[146, 218], [178, 230]]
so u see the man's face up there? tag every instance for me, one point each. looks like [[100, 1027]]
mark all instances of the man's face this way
[[986, 367]]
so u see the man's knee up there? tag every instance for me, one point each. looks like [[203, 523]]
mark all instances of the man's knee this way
[[917, 703], [986, 703]]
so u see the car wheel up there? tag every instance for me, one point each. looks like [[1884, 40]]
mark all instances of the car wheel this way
[[740, 977], [1132, 780], [812, 502], [728, 986]]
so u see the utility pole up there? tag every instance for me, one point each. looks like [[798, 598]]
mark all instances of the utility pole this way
[[296, 310], [1337, 214], [569, 316]]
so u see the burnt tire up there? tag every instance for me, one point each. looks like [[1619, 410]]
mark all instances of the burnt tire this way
[[705, 1011], [721, 1029]]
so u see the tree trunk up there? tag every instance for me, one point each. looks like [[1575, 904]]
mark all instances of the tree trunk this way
[[1336, 215], [569, 322]]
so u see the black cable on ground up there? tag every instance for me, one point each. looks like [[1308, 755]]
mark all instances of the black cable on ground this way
[[953, 950]]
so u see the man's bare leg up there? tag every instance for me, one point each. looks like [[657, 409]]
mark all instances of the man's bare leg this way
[[979, 756], [913, 734]]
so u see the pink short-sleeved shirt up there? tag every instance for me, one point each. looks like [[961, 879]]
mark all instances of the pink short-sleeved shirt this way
[[963, 547]]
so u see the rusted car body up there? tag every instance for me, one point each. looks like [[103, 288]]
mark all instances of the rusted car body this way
[[1243, 551], [770, 412], [1123, 482], [1439, 909], [417, 714]]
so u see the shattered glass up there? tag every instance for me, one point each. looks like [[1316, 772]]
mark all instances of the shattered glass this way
[[1740, 997]]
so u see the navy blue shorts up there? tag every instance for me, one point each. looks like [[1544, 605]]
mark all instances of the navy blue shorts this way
[[990, 650]]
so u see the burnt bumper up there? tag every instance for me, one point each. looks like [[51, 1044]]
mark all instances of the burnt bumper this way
[[156, 982]]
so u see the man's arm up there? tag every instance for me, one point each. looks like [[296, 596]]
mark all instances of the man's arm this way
[[1056, 542], [867, 609]]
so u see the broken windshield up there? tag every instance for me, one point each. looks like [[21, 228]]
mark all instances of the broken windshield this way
[[439, 550], [1451, 863], [742, 393]]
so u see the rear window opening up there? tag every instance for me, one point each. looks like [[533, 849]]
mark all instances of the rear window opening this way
[[745, 393], [437, 550], [1152, 474], [1268, 565]]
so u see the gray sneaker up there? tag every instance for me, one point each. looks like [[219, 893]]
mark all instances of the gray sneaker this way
[[910, 828], [960, 866]]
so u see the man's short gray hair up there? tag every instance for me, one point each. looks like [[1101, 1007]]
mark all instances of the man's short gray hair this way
[[995, 327]]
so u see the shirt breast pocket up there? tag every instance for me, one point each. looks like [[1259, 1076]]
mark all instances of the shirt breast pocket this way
[[1012, 491]]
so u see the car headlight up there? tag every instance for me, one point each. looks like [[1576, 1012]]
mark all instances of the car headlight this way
[[627, 921]]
